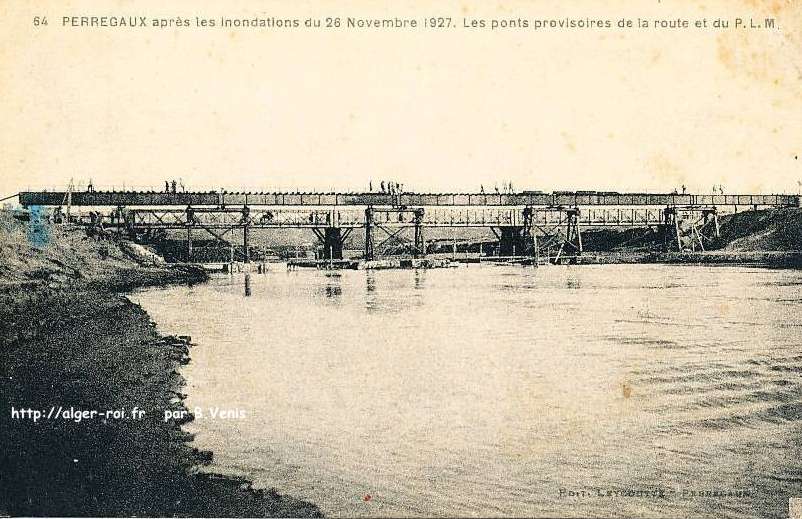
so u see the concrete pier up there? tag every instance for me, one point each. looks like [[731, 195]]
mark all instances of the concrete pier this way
[[332, 243], [513, 240]]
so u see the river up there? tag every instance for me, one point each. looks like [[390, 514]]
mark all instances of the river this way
[[609, 390]]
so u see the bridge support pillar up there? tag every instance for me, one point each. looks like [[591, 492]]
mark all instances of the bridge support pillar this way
[[393, 222], [333, 243], [246, 223], [420, 247], [711, 214], [564, 234], [689, 228], [573, 233], [513, 240], [369, 234], [189, 214], [672, 239], [245, 244], [332, 240]]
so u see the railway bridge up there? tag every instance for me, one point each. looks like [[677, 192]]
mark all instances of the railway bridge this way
[[523, 222]]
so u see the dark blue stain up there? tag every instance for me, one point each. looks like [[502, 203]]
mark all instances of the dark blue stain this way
[[38, 229]]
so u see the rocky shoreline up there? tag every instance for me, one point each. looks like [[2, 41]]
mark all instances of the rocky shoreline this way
[[85, 379]]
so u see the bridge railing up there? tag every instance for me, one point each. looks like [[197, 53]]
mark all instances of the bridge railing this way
[[131, 199]]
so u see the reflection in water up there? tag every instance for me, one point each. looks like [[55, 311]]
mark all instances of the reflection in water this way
[[472, 393], [370, 281], [420, 278], [573, 282], [333, 291], [333, 288], [371, 299]]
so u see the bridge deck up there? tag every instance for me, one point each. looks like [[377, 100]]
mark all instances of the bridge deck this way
[[214, 199]]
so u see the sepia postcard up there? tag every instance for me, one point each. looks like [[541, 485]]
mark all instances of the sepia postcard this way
[[458, 258]]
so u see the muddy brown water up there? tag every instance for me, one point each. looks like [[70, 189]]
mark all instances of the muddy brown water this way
[[604, 390]]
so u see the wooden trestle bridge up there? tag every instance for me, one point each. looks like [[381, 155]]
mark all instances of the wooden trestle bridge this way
[[523, 222]]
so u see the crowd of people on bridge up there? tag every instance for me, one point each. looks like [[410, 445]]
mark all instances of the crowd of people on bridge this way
[[173, 186], [389, 187], [718, 189], [506, 188], [392, 187]]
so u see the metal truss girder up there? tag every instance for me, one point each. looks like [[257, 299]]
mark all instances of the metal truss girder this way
[[390, 236]]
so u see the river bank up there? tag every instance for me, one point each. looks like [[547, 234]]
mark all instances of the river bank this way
[[775, 259], [85, 379]]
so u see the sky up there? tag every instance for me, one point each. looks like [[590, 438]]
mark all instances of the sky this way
[[437, 110]]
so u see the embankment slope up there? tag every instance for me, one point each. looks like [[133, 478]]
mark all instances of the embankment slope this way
[[767, 230]]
